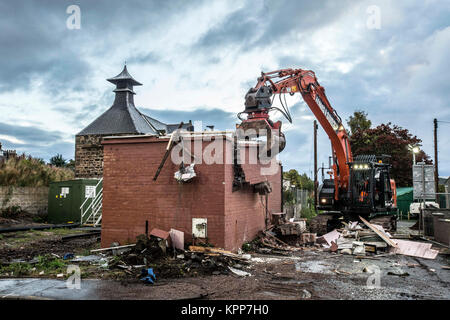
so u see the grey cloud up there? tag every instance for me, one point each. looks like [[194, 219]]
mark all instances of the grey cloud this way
[[66, 149], [150, 57], [30, 134], [239, 27], [38, 143], [259, 24], [34, 40], [32, 43], [222, 120]]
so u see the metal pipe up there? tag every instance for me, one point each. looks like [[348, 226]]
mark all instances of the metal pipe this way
[[436, 172]]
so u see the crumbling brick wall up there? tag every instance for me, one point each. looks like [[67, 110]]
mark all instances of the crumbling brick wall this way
[[245, 210], [131, 197]]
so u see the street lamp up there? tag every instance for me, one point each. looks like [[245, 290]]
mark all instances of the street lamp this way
[[414, 149]]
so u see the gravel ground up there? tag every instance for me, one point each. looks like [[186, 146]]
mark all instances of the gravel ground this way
[[308, 274]]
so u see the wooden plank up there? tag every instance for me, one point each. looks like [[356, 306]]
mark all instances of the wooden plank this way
[[208, 249], [379, 233], [169, 148], [112, 248], [416, 249], [216, 251], [275, 238]]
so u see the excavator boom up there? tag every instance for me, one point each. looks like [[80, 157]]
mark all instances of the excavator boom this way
[[359, 185], [258, 103]]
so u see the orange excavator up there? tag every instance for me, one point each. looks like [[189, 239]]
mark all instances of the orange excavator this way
[[358, 185]]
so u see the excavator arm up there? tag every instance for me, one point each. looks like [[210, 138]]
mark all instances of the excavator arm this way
[[258, 103]]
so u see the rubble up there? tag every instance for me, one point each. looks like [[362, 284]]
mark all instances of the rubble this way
[[155, 253], [90, 258], [238, 272], [380, 232], [329, 237], [353, 239], [358, 248], [185, 173], [308, 238]]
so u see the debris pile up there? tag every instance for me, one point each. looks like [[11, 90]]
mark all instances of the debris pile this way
[[366, 239], [157, 256], [356, 240]]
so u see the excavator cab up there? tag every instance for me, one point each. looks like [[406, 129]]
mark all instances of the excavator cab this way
[[370, 186]]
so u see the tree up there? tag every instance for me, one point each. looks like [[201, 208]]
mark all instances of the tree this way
[[58, 161], [359, 122], [393, 140], [301, 181], [71, 164]]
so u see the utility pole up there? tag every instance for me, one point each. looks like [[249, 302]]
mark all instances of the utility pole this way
[[315, 165], [436, 172]]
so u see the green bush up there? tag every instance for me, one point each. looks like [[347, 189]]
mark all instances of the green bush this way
[[40, 217], [307, 213], [49, 263], [11, 212]]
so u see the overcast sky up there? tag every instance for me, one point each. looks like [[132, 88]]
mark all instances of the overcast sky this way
[[197, 59]]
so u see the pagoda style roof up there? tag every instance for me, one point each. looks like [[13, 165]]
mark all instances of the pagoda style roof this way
[[123, 117], [124, 76]]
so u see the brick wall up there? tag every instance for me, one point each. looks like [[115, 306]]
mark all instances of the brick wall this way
[[31, 199], [245, 210], [131, 197]]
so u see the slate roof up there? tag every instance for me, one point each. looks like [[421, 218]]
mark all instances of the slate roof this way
[[123, 117], [124, 76]]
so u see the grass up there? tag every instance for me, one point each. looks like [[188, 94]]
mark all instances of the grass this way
[[16, 269], [31, 172], [49, 264]]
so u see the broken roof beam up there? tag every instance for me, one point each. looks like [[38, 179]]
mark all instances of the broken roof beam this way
[[169, 148], [380, 233]]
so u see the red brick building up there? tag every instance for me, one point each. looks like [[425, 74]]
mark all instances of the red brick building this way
[[131, 196]]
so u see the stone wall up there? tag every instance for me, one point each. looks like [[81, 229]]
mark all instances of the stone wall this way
[[31, 199], [88, 156]]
